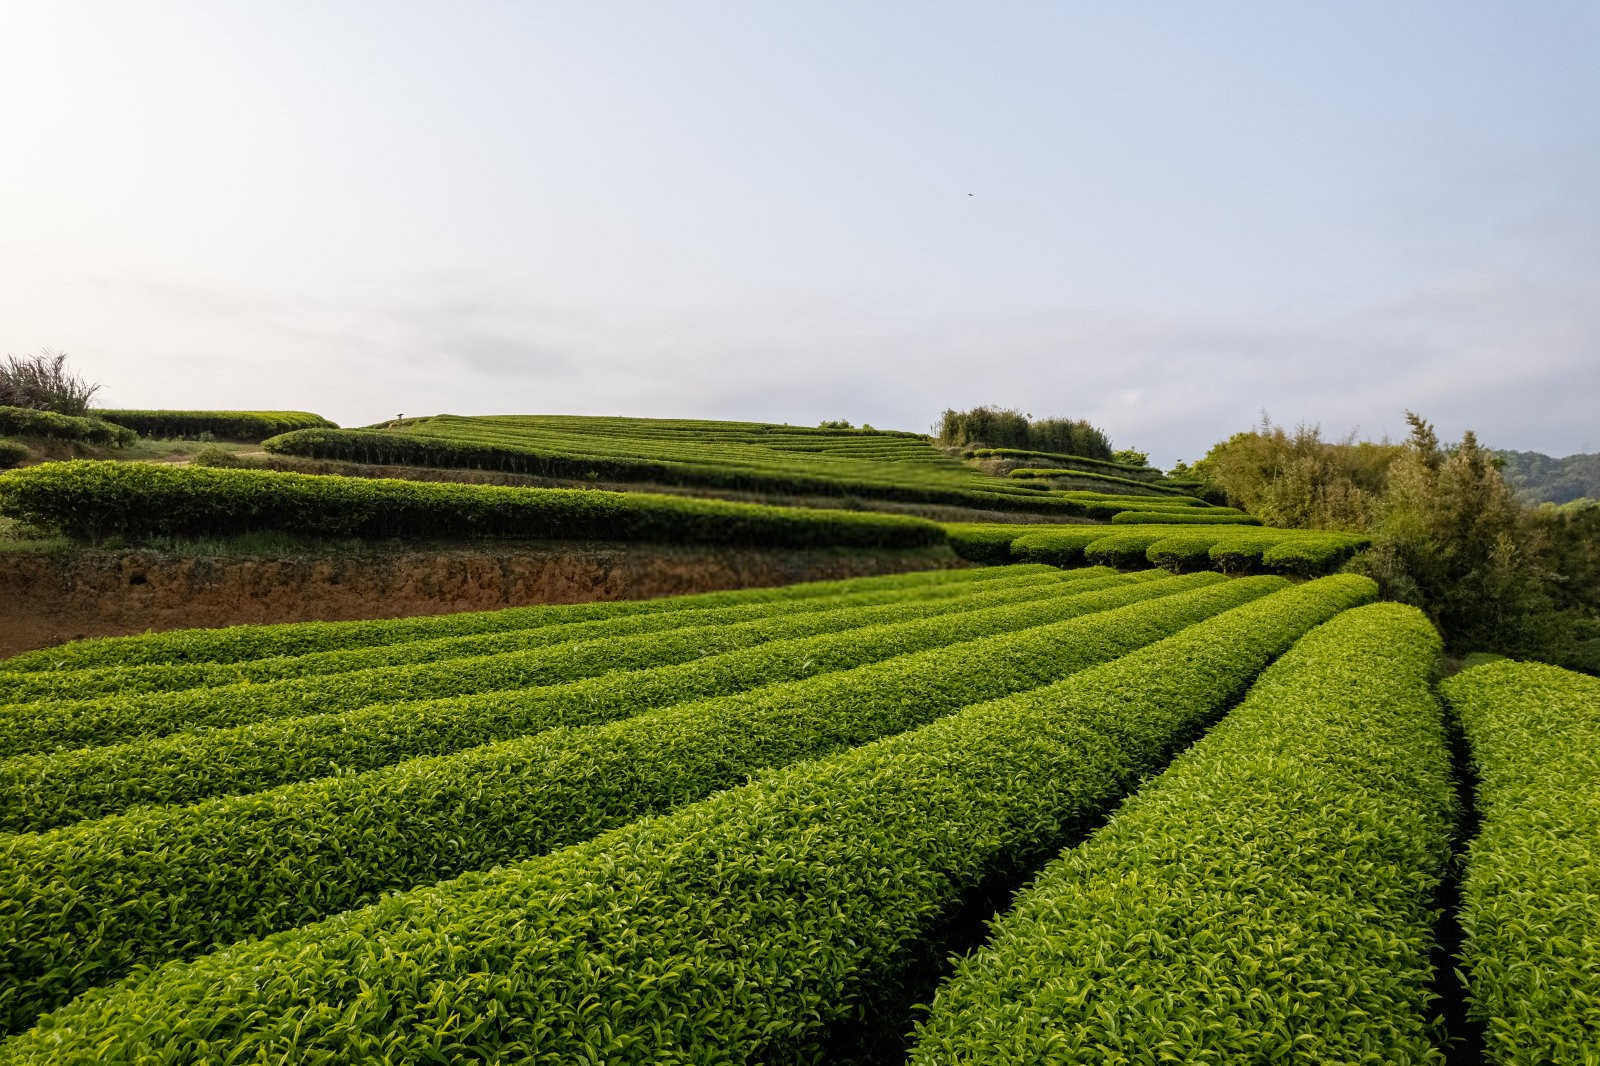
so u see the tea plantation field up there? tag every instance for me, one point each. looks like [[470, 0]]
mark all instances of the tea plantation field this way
[[750, 456], [1022, 813]]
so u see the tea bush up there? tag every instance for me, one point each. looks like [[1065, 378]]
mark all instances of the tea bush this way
[[1270, 897]]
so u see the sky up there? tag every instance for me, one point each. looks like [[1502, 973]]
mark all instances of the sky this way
[[1164, 218]]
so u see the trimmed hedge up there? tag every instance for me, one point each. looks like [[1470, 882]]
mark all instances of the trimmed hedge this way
[[12, 452], [1057, 547], [1238, 554], [1481, 658], [240, 867], [986, 542], [737, 929], [1128, 498], [1068, 462], [92, 500], [251, 426], [1234, 547], [1181, 552], [1094, 478], [1269, 898], [243, 643], [43, 791], [92, 682], [1315, 553], [26, 422], [1216, 516], [54, 725], [1530, 907], [1125, 546]]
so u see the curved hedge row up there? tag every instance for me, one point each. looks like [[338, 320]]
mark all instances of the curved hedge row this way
[[1143, 500], [238, 644], [12, 452], [1232, 547], [1270, 897], [1215, 516], [54, 725], [1182, 552], [1530, 906], [91, 500], [737, 929], [93, 682], [1039, 472], [229, 425], [1125, 546], [43, 791], [987, 542], [26, 422], [240, 867], [1144, 473]]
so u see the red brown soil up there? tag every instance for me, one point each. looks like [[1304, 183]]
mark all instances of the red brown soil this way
[[47, 598]]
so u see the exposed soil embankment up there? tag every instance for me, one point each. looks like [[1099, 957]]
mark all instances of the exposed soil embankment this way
[[50, 597]]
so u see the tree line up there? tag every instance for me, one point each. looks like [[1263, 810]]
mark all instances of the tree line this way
[[1449, 533]]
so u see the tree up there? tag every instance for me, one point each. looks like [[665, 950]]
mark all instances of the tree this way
[[43, 382], [1298, 479], [1449, 540]]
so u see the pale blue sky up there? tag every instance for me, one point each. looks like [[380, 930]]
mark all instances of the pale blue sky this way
[[1181, 214]]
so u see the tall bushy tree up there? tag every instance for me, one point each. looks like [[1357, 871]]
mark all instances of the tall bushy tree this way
[[994, 427], [43, 383], [1449, 540], [1298, 479], [1449, 534]]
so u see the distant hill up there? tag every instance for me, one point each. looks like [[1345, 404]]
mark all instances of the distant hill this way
[[1539, 478]]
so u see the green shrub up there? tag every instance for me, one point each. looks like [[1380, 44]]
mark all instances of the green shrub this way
[[986, 542], [1530, 908], [1270, 897], [545, 627], [240, 867], [1236, 555], [1480, 658], [1143, 501], [1068, 462], [1234, 547], [736, 929], [1062, 546], [12, 452], [1126, 546], [92, 500], [217, 456], [1220, 516], [43, 383], [1013, 429], [242, 643], [1181, 552], [42, 791], [26, 422], [248, 426], [1314, 553], [1093, 477]]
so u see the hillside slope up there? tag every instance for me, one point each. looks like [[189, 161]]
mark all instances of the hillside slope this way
[[749, 456], [1540, 478]]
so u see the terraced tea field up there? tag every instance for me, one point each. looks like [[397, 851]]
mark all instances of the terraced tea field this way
[[751, 456], [749, 826]]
